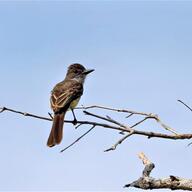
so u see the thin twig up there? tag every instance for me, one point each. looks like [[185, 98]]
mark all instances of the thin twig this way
[[189, 109], [185, 105], [118, 123], [114, 109], [78, 139], [107, 119], [2, 109], [166, 127], [50, 115], [130, 115], [139, 122], [78, 126]]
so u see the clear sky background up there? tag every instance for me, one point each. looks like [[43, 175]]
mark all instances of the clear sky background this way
[[142, 56]]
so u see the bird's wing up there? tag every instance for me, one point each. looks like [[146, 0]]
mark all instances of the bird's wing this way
[[64, 93]]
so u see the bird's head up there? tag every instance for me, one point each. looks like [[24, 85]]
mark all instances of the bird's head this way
[[78, 72]]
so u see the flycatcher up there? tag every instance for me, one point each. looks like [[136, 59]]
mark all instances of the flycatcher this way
[[64, 96]]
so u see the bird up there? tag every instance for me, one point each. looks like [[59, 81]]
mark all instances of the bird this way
[[65, 96]]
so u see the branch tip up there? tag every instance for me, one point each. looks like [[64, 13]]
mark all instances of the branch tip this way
[[144, 159], [110, 149], [185, 104], [2, 109]]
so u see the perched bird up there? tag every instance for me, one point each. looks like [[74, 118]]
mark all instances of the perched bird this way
[[64, 96]]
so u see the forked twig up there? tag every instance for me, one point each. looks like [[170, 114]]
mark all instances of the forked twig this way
[[131, 112], [113, 147]]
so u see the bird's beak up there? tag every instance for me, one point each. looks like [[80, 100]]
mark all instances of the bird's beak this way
[[87, 71]]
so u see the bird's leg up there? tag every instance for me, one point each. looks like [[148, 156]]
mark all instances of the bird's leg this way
[[75, 120]]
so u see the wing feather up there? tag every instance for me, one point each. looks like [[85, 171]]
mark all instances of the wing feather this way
[[64, 93]]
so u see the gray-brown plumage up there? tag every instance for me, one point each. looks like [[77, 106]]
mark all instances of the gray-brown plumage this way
[[65, 95]]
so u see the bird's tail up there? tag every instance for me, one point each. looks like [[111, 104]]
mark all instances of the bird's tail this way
[[56, 133]]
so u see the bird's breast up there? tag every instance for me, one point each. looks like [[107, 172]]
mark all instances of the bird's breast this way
[[74, 103]]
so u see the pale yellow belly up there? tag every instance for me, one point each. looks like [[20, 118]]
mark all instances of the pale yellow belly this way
[[74, 103]]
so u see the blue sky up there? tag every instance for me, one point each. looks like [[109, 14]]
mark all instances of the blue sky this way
[[141, 53]]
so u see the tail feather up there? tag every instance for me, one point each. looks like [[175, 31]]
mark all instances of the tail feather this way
[[56, 133]]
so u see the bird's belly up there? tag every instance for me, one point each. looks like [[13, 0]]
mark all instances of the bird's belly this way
[[74, 103]]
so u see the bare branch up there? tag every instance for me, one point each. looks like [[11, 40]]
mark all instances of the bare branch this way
[[78, 139], [149, 115], [109, 126], [147, 182]]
